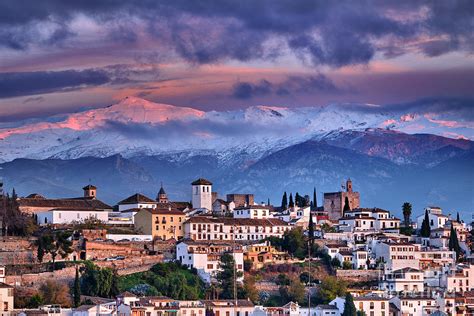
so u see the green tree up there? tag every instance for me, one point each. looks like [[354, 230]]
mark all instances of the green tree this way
[[249, 289], [114, 288], [284, 201], [54, 243], [425, 226], [77, 289], [96, 281], [406, 207], [336, 263], [347, 207], [304, 277], [315, 200], [330, 288], [454, 242], [282, 279], [349, 307], [346, 265], [291, 203], [53, 292], [311, 229], [361, 313], [298, 199], [296, 291], [227, 276], [294, 242], [458, 219]]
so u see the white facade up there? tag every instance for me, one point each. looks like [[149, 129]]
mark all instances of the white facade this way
[[435, 216], [202, 195], [253, 211], [68, 216], [397, 256], [403, 280], [205, 228], [373, 305], [206, 257], [460, 279], [125, 207]]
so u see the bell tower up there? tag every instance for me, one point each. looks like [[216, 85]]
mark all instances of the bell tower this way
[[162, 197], [202, 194], [349, 185], [90, 191]]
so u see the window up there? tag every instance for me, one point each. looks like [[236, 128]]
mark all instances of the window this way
[[5, 306], [210, 265], [371, 305]]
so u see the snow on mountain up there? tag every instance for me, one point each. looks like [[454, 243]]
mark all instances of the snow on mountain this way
[[136, 126]]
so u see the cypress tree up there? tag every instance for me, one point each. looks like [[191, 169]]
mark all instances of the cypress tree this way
[[457, 218], [77, 290], [315, 201], [347, 207], [284, 201], [291, 204], [114, 288], [349, 307], [268, 201], [406, 207], [311, 229], [298, 199], [454, 242], [425, 226]]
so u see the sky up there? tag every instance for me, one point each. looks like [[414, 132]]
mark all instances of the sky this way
[[63, 56]]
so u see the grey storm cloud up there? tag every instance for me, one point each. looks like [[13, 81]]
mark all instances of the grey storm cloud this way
[[185, 129], [291, 85], [15, 84], [457, 108], [39, 82], [334, 33]]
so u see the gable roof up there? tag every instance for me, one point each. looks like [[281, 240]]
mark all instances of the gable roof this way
[[201, 181], [79, 203], [137, 198]]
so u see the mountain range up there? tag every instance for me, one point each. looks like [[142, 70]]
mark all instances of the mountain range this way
[[134, 145]]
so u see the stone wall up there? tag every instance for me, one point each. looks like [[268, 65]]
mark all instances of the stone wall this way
[[358, 275], [66, 275]]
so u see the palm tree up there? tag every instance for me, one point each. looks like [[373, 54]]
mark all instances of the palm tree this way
[[406, 213]]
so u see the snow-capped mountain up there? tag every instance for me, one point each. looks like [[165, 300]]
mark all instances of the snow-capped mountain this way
[[137, 127], [135, 144]]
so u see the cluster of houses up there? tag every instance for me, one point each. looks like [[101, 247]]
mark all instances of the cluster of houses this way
[[416, 275]]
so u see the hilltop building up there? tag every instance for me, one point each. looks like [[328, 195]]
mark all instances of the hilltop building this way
[[334, 201], [202, 194], [161, 223]]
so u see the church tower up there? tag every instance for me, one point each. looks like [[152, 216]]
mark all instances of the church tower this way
[[202, 194], [162, 197], [349, 185], [90, 191]]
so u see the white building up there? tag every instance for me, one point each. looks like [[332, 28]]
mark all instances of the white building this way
[[6, 294], [415, 305], [403, 280], [222, 208], [373, 305], [252, 211], [136, 201], [435, 216], [370, 219], [202, 194], [326, 310], [398, 255], [460, 279], [205, 257], [224, 228], [67, 216]]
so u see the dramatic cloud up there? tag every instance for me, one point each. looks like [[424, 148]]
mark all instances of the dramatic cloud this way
[[42, 82], [334, 33], [293, 84], [30, 83]]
